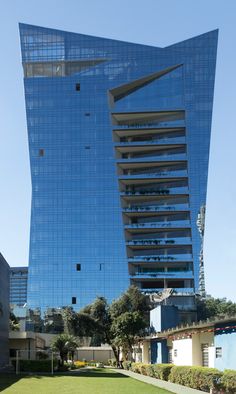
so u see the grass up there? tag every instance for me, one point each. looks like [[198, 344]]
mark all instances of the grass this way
[[92, 382]]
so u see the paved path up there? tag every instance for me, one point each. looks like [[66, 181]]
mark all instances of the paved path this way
[[172, 387]]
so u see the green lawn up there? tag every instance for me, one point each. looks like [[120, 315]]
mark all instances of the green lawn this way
[[92, 382]]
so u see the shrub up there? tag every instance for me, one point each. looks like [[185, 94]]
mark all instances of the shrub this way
[[200, 378], [146, 369], [143, 369], [80, 364], [35, 365], [112, 362], [228, 381], [162, 371], [135, 367], [42, 355], [127, 365]]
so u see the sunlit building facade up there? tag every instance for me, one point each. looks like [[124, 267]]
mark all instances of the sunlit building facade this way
[[18, 285], [119, 137]]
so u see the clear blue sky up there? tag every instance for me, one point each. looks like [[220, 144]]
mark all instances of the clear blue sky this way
[[151, 22]]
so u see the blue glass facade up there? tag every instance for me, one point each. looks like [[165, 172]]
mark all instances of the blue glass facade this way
[[119, 139], [18, 285]]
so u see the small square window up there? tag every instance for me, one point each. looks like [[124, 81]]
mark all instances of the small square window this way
[[41, 152], [87, 147], [77, 87], [78, 267], [87, 114], [73, 301]]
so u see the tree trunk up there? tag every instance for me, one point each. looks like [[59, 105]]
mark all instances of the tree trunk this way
[[117, 356]]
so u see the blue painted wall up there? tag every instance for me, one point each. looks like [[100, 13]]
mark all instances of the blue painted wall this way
[[163, 317], [227, 341], [159, 352]]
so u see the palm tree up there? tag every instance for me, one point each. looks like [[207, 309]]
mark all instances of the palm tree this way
[[65, 343]]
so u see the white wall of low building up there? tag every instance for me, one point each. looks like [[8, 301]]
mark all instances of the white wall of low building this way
[[182, 351]]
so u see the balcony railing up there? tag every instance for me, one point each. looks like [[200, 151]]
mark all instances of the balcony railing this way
[[179, 291], [178, 223], [137, 208], [153, 158], [174, 190], [161, 125], [161, 258], [175, 275], [164, 174], [157, 141], [168, 242]]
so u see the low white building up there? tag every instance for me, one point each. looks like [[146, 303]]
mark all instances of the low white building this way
[[211, 343]]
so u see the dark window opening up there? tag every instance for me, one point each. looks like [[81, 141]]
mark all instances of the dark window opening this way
[[87, 147], [41, 152], [87, 114], [77, 87], [73, 300], [78, 267], [218, 352], [12, 352]]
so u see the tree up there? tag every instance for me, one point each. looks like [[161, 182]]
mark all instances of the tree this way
[[121, 322], [64, 344], [131, 301], [125, 329], [211, 307], [129, 315]]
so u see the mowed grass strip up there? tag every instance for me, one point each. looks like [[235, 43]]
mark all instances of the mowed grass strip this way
[[93, 382]]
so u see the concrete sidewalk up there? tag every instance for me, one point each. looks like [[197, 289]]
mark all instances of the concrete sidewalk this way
[[172, 387]]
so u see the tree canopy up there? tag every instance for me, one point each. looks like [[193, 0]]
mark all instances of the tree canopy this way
[[211, 307]]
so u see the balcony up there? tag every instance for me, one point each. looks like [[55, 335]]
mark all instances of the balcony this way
[[155, 242], [155, 175], [176, 291], [162, 191], [160, 208], [165, 275], [140, 134], [161, 258], [173, 224], [156, 141], [154, 158], [145, 119]]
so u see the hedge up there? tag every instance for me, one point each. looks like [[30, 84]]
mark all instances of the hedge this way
[[35, 365], [200, 378], [162, 371], [228, 381]]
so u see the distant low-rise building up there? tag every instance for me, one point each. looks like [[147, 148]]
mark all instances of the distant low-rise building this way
[[4, 311]]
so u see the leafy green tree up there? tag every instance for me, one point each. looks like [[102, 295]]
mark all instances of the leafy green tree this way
[[125, 329], [130, 301], [120, 323], [64, 344], [211, 307]]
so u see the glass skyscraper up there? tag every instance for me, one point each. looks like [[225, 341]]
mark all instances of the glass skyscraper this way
[[18, 285], [119, 138]]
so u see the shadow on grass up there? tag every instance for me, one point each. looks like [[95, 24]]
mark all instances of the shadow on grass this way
[[7, 380]]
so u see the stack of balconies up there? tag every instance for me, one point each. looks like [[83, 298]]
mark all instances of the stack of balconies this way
[[153, 182]]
